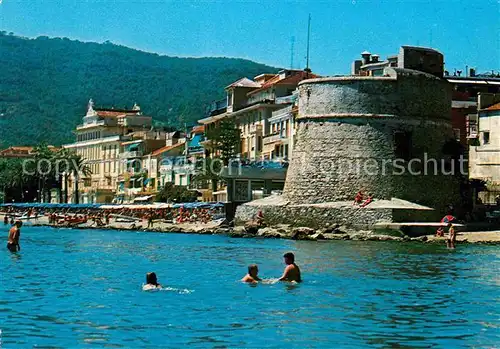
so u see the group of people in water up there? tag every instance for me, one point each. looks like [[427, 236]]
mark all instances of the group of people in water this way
[[290, 274]]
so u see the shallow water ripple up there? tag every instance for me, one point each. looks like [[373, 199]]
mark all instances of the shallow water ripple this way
[[82, 288]]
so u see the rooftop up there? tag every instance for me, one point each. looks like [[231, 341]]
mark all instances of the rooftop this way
[[166, 149], [244, 82], [493, 107], [198, 129], [21, 151], [293, 79]]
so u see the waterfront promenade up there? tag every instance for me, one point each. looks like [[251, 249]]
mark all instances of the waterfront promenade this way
[[284, 232]]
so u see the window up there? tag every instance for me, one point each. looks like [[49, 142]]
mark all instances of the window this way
[[402, 145], [486, 137]]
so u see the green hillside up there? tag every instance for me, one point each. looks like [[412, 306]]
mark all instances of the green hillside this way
[[45, 84]]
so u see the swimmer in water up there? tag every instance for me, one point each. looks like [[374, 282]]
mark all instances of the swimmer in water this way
[[252, 276], [151, 282], [292, 270], [14, 235]]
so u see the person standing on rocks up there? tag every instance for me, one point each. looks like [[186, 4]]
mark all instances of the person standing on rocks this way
[[452, 236], [292, 270]]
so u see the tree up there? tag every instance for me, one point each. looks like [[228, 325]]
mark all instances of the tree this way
[[225, 140], [207, 171], [15, 178], [45, 170], [224, 144], [69, 162], [33, 83], [175, 193]]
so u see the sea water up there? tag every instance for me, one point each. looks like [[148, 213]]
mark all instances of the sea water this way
[[72, 288]]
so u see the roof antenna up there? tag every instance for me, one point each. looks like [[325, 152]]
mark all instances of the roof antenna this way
[[308, 40]]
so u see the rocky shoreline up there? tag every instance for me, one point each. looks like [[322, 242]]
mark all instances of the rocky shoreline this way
[[297, 233]]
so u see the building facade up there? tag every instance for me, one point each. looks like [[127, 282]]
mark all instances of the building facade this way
[[99, 141], [262, 109], [484, 151]]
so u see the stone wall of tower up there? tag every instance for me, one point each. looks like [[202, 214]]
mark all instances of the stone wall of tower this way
[[346, 133]]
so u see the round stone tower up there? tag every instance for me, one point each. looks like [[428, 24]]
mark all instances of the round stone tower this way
[[385, 135]]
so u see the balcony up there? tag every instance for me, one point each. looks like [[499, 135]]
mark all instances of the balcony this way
[[131, 154], [256, 128], [177, 168], [290, 99], [91, 124], [217, 107], [274, 138]]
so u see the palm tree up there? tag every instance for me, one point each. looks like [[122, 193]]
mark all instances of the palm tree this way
[[15, 177], [46, 169], [78, 165], [69, 162], [62, 160]]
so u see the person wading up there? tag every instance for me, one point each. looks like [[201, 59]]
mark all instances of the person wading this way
[[14, 235]]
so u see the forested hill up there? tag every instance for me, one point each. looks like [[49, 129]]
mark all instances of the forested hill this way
[[45, 84]]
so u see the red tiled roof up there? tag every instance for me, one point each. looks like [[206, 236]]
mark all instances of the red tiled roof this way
[[21, 151], [166, 148], [198, 129], [493, 107], [292, 79]]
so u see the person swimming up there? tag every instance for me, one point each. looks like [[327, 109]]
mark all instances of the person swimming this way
[[252, 276], [14, 235], [151, 282], [292, 270]]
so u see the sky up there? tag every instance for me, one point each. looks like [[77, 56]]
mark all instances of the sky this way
[[466, 32]]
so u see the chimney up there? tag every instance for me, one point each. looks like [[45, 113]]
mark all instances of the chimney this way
[[365, 57], [375, 58], [472, 72]]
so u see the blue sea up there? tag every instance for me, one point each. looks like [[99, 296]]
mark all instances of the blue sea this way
[[72, 288]]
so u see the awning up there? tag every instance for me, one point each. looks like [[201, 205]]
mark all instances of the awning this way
[[132, 142], [132, 147], [143, 198]]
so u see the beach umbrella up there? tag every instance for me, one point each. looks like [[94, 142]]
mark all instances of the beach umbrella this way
[[448, 219]]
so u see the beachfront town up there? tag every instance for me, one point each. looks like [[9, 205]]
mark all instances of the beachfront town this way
[[129, 160]]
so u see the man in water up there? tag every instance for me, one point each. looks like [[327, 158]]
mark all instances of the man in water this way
[[253, 274], [14, 234], [292, 270]]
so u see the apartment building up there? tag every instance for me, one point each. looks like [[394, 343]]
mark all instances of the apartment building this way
[[252, 104], [99, 140]]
